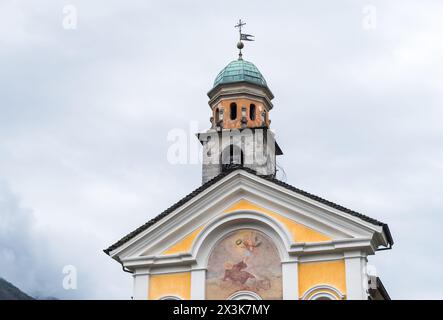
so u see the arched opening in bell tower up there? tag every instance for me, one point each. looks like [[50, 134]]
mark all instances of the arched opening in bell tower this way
[[217, 115], [252, 112], [231, 155], [233, 111]]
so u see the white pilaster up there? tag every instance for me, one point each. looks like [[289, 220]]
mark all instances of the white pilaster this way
[[290, 280], [141, 285], [355, 265], [198, 284]]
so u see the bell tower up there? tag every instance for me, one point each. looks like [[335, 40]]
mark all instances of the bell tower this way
[[240, 135]]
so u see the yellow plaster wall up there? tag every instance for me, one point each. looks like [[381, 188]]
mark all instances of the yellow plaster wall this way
[[311, 274], [173, 284], [185, 244], [299, 232]]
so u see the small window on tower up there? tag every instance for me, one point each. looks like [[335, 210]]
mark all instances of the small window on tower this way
[[233, 111], [217, 115], [252, 111]]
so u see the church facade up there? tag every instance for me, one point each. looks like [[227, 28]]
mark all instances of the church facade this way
[[244, 234]]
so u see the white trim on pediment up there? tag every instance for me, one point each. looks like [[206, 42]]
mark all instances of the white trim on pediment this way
[[190, 214], [266, 202], [307, 208]]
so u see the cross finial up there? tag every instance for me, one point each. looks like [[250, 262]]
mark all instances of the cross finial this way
[[239, 25], [242, 36]]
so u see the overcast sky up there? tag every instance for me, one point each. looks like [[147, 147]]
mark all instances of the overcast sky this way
[[85, 114]]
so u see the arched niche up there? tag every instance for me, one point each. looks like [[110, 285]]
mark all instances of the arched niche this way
[[323, 292], [244, 295], [232, 155], [170, 298], [220, 226], [244, 264]]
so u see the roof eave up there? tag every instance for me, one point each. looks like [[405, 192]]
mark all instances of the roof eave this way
[[212, 92], [388, 234]]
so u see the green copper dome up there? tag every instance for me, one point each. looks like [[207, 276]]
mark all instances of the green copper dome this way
[[240, 71]]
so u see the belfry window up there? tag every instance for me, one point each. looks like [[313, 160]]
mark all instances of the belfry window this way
[[233, 111], [217, 115], [252, 111], [232, 155]]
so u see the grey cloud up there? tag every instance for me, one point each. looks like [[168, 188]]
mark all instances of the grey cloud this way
[[24, 257]]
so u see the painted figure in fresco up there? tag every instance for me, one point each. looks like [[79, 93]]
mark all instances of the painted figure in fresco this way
[[237, 274], [250, 244]]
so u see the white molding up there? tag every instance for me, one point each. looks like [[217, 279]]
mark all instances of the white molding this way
[[140, 286], [321, 257], [170, 297], [168, 269], [198, 284], [355, 264], [335, 246], [244, 295], [290, 280], [323, 292]]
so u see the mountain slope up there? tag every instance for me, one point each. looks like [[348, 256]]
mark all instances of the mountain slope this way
[[10, 292]]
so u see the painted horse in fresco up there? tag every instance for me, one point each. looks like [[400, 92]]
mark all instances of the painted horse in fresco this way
[[237, 274]]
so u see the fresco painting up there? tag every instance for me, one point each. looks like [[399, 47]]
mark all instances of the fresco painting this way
[[245, 260]]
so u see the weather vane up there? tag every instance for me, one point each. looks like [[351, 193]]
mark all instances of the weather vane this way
[[243, 37]]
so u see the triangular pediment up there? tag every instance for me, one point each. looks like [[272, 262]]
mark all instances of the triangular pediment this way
[[305, 221]]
